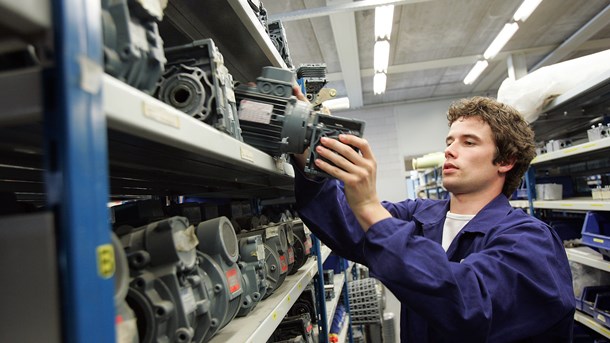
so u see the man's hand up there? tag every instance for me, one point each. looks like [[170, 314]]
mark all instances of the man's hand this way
[[358, 173]]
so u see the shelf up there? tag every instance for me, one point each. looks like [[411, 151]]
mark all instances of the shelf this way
[[586, 320], [259, 324], [589, 257], [150, 139], [25, 17], [344, 329], [331, 305], [234, 28], [572, 204], [153, 149], [21, 96], [571, 112], [580, 149]]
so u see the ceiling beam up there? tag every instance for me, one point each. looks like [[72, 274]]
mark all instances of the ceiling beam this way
[[587, 31], [344, 33], [335, 8]]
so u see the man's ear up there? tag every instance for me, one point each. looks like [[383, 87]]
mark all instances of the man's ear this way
[[506, 166]]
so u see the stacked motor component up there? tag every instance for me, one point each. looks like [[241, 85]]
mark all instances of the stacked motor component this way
[[276, 254], [133, 48], [274, 121], [198, 83], [167, 292], [254, 272], [312, 78], [218, 252], [126, 326], [183, 283], [277, 33]]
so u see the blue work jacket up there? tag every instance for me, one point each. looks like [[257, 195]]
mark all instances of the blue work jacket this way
[[504, 278]]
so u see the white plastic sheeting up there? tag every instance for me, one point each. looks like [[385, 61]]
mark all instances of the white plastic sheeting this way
[[531, 93]]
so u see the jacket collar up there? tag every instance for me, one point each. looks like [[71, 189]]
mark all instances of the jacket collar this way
[[433, 214]]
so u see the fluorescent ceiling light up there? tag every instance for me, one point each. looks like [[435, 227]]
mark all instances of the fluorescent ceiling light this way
[[526, 8], [475, 72], [503, 37], [379, 81], [381, 55], [384, 17], [337, 104]]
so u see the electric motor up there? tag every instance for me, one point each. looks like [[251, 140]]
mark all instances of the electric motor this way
[[166, 291], [252, 265], [218, 253], [198, 83]]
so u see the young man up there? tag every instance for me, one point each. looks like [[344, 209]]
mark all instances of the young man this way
[[466, 269]]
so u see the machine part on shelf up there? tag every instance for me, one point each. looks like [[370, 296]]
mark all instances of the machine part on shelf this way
[[198, 83], [133, 48], [125, 319], [277, 33], [253, 271], [167, 290], [271, 118], [274, 121], [261, 13], [276, 254], [137, 213], [291, 327], [273, 270], [367, 300], [303, 233], [218, 252], [312, 78], [290, 248], [300, 257], [306, 303]]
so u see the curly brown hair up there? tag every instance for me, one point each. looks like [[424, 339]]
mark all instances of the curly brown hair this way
[[513, 136]]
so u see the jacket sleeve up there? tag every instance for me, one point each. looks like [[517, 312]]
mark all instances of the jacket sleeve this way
[[323, 208], [515, 285]]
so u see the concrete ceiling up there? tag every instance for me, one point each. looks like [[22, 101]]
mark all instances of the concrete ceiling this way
[[435, 43]]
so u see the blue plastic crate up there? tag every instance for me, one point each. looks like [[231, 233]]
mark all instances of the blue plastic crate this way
[[601, 309], [596, 232], [589, 295]]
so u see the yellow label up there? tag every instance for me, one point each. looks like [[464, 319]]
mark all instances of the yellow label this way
[[598, 240], [105, 261]]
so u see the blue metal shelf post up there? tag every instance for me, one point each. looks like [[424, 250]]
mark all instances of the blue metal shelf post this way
[[320, 293], [76, 172]]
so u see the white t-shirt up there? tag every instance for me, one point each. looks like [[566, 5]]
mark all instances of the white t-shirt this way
[[453, 225]]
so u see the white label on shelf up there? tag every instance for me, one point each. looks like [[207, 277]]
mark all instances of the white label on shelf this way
[[257, 112], [160, 115], [601, 318], [188, 299], [246, 154], [90, 75]]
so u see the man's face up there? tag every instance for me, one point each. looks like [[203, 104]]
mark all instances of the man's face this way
[[468, 167]]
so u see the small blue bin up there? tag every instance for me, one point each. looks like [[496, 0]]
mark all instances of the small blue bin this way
[[601, 309], [589, 295], [596, 232]]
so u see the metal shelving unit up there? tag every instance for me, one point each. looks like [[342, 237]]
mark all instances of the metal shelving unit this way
[[74, 137], [569, 114], [265, 318]]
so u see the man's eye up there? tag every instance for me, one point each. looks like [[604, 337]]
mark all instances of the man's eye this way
[[469, 143]]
